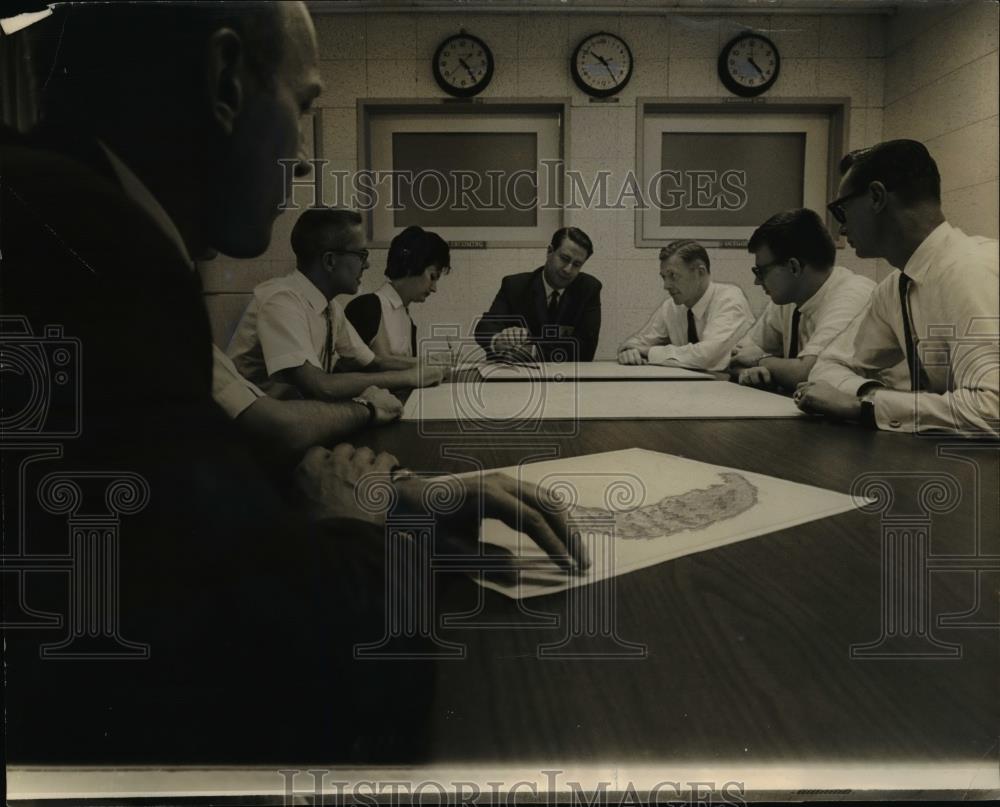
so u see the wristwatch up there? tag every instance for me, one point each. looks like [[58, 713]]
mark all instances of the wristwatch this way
[[867, 398], [372, 412]]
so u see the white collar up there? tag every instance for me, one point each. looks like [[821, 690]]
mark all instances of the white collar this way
[[549, 289], [700, 307], [819, 295], [136, 190], [920, 260], [388, 291]]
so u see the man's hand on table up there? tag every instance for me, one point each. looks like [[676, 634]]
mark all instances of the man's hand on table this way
[[633, 355], [822, 398], [333, 484], [756, 377], [387, 406]]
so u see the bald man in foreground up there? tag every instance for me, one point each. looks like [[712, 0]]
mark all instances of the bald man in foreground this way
[[167, 131]]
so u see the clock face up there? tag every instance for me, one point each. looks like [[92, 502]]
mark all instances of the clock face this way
[[463, 65], [602, 65], [749, 64]]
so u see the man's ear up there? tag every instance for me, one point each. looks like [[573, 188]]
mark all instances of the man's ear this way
[[795, 265], [879, 196], [329, 261], [225, 77]]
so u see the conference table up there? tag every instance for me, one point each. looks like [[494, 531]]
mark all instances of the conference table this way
[[855, 654], [833, 642]]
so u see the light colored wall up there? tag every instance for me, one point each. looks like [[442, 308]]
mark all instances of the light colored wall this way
[[941, 89], [388, 55]]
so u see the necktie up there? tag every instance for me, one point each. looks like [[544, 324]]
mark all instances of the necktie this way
[[918, 378], [328, 348], [692, 330], [553, 309], [793, 342]]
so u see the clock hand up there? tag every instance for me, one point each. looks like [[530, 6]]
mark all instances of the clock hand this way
[[606, 65], [467, 68], [754, 65]]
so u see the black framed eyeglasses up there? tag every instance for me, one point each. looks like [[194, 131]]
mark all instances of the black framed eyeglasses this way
[[836, 207], [360, 254]]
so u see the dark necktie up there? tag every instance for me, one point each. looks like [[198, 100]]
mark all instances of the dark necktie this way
[[793, 342], [692, 330], [553, 309], [328, 348], [918, 378]]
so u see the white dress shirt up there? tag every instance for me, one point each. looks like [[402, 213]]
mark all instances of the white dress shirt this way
[[954, 314], [396, 322], [722, 316], [822, 317], [285, 326], [230, 390]]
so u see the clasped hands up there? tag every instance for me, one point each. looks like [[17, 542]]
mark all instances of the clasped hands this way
[[331, 480]]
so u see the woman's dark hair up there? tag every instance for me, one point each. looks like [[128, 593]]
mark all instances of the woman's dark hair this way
[[413, 250]]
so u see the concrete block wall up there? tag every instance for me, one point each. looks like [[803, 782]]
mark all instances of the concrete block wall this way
[[941, 88]]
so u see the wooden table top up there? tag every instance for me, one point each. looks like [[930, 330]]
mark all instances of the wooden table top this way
[[748, 648]]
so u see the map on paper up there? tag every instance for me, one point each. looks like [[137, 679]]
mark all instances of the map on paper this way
[[588, 371], [637, 508]]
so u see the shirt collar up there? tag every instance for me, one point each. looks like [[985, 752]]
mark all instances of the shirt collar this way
[[701, 306], [136, 190], [920, 260], [313, 295], [549, 289], [388, 291], [814, 302]]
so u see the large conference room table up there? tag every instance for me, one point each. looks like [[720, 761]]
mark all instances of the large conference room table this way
[[832, 642], [856, 654]]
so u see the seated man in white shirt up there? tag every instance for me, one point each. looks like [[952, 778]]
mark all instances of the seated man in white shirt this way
[[699, 324], [812, 300], [286, 429], [939, 315], [294, 335]]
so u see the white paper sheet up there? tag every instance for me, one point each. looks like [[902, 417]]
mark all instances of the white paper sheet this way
[[588, 371], [637, 508], [517, 402]]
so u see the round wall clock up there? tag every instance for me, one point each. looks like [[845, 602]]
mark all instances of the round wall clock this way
[[463, 65], [601, 64], [749, 64]]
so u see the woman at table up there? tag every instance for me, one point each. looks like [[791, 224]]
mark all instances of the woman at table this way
[[417, 259]]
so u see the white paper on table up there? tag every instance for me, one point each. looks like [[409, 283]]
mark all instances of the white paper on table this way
[[526, 401], [666, 507], [588, 371]]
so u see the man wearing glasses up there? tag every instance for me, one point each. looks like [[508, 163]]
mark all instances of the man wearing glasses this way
[[938, 316], [293, 334], [812, 300]]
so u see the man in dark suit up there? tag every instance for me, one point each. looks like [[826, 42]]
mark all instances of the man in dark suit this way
[[553, 313], [230, 615]]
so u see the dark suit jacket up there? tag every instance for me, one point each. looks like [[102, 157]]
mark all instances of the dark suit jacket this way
[[521, 302], [249, 614]]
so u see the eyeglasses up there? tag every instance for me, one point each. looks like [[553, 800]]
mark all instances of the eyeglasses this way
[[760, 271], [836, 207], [360, 254]]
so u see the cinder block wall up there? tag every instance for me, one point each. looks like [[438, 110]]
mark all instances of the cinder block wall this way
[[375, 55], [941, 89]]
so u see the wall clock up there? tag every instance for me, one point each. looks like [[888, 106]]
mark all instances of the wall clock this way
[[601, 64], [749, 64], [463, 65]]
